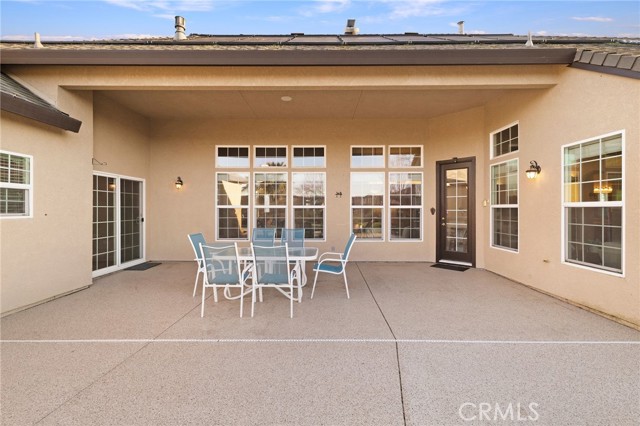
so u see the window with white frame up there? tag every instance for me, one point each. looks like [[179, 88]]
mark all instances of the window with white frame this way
[[405, 156], [593, 202], [232, 156], [367, 156], [270, 200], [367, 205], [270, 156], [405, 206], [309, 203], [232, 205], [15, 184], [504, 205], [309, 156], [504, 141]]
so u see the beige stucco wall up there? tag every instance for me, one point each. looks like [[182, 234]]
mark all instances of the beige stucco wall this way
[[583, 105], [187, 149], [50, 253], [121, 139]]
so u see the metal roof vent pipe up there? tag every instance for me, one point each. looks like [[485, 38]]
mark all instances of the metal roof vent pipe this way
[[180, 27], [461, 27], [37, 44], [351, 29]]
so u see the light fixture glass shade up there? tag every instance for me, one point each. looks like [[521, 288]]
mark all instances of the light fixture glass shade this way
[[533, 170], [179, 183]]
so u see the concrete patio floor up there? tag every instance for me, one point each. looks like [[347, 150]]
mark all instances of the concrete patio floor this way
[[414, 345]]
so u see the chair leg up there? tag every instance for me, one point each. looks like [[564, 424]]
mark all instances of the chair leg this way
[[253, 299], [241, 299], [291, 300], [202, 307], [215, 294], [346, 285], [314, 284], [195, 286]]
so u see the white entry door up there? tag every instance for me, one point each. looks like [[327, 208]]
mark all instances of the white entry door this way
[[118, 223]]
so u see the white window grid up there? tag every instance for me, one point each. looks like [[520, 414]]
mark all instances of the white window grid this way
[[504, 136], [274, 204], [231, 205], [263, 159], [371, 156], [234, 158], [567, 181], [9, 174], [409, 203], [502, 201], [305, 201], [399, 156], [363, 216], [306, 160]]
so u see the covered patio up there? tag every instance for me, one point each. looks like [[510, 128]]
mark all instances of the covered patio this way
[[414, 345]]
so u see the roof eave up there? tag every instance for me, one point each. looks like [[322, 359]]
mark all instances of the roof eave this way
[[39, 113], [316, 57]]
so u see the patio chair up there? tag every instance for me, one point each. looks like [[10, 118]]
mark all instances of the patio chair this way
[[272, 268], [294, 237], [222, 270], [334, 263], [196, 240], [265, 237]]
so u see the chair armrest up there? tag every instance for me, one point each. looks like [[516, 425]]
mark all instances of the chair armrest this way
[[339, 258]]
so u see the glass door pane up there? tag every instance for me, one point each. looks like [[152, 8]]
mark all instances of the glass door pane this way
[[104, 222], [130, 220], [457, 206]]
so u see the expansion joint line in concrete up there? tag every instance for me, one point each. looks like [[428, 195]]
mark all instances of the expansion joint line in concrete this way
[[404, 417]]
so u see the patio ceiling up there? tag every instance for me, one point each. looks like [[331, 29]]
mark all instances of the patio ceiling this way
[[238, 104]]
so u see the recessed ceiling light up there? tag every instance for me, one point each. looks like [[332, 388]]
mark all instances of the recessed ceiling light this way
[[286, 99]]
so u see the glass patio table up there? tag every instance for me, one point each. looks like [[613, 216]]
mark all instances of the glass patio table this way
[[300, 255]]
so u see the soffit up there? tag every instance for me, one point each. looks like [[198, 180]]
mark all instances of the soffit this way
[[267, 104]]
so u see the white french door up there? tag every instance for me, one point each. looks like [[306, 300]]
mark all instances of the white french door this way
[[118, 222]]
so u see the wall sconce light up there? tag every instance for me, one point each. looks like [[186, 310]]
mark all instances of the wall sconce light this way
[[533, 170], [179, 183], [339, 194]]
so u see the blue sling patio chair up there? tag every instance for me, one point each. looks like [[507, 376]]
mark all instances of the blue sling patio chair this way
[[334, 263], [265, 237], [272, 268], [294, 237], [223, 270], [196, 240]]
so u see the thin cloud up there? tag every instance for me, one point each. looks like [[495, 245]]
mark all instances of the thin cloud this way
[[164, 6], [592, 19], [325, 6], [22, 37]]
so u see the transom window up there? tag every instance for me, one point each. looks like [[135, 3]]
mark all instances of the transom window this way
[[593, 202], [504, 141], [232, 156], [367, 205], [367, 156], [309, 203], [504, 205], [309, 156], [270, 156], [405, 206], [15, 184], [405, 156]]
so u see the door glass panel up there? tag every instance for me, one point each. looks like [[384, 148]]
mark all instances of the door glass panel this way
[[130, 220], [103, 223], [457, 204]]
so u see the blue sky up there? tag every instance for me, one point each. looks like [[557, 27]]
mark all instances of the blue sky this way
[[79, 19]]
